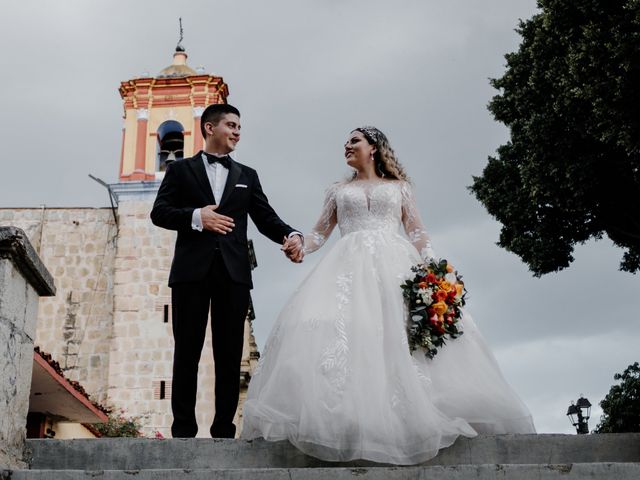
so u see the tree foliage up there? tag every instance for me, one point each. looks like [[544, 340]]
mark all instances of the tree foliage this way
[[621, 406], [571, 99]]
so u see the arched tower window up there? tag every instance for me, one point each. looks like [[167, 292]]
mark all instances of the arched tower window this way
[[170, 144]]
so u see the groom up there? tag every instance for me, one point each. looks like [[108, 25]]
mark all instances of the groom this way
[[207, 198]]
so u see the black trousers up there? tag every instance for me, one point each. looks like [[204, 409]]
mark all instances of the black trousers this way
[[229, 302]]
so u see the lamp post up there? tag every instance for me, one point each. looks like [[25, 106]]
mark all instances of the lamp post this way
[[579, 414]]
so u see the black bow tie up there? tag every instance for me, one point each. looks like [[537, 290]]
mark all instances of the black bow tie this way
[[224, 161]]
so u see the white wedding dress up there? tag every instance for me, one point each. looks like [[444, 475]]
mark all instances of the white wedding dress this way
[[336, 377]]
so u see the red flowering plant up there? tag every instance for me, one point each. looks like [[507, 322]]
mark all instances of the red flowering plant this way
[[434, 296]]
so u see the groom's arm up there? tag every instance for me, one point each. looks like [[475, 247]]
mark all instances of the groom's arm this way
[[264, 216], [167, 211]]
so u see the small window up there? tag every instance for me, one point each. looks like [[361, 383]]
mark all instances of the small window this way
[[162, 389]]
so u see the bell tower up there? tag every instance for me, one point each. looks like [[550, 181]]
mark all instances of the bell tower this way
[[162, 117]]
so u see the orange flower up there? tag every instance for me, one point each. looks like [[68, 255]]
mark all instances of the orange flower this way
[[459, 288], [449, 268], [440, 308], [422, 285], [444, 285]]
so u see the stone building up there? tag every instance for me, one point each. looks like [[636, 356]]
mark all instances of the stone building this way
[[109, 325]]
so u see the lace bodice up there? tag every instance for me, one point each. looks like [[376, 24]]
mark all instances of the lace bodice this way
[[370, 205]]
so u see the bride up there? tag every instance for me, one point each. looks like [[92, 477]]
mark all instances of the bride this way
[[336, 377]]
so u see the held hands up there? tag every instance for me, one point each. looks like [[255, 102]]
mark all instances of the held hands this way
[[214, 221], [292, 248]]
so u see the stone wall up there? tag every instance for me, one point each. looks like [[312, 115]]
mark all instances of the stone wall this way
[[109, 326], [23, 279], [142, 348], [78, 247]]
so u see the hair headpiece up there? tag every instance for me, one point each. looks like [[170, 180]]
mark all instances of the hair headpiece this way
[[372, 133]]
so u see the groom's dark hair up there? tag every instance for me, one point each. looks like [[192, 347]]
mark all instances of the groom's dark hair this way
[[214, 113]]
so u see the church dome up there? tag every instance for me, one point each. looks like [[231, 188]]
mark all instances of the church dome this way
[[178, 68]]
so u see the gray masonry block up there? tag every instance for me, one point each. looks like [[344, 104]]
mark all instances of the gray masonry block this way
[[600, 471], [23, 279], [15, 246], [196, 453]]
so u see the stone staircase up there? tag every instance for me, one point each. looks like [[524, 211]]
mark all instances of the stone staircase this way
[[518, 457]]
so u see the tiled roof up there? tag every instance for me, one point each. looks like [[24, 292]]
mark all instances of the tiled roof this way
[[76, 385]]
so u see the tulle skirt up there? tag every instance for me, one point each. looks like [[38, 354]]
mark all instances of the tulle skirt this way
[[337, 380]]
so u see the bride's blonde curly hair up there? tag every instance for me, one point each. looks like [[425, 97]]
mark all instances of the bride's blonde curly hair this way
[[385, 160]]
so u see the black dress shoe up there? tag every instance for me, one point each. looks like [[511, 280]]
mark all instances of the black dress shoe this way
[[223, 431]]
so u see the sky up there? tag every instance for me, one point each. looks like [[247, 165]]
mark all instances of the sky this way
[[305, 73]]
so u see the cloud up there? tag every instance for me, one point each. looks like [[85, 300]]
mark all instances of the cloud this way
[[559, 370]]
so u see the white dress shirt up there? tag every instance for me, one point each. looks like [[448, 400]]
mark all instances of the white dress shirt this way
[[217, 174]]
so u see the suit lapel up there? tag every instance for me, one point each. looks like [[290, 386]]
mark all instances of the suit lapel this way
[[197, 167], [232, 178]]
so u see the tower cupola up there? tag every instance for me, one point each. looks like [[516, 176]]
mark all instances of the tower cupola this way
[[162, 117]]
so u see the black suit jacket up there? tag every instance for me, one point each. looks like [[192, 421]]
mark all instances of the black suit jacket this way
[[186, 187]]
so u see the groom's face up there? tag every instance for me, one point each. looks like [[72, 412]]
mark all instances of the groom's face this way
[[225, 135]]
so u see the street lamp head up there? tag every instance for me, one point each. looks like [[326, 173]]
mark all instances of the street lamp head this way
[[571, 412], [585, 407], [579, 414]]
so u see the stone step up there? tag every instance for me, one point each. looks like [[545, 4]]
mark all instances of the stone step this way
[[577, 471], [202, 454]]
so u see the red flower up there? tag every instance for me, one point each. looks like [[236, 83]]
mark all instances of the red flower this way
[[451, 297], [439, 295], [431, 278]]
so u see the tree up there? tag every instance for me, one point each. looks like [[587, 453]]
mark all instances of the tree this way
[[621, 406], [571, 99]]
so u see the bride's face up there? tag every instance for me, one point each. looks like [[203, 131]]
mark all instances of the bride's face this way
[[358, 151]]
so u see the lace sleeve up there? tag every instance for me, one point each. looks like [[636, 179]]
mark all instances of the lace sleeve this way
[[413, 225], [325, 224]]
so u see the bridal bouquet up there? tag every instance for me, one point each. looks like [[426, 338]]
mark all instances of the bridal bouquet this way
[[434, 296]]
